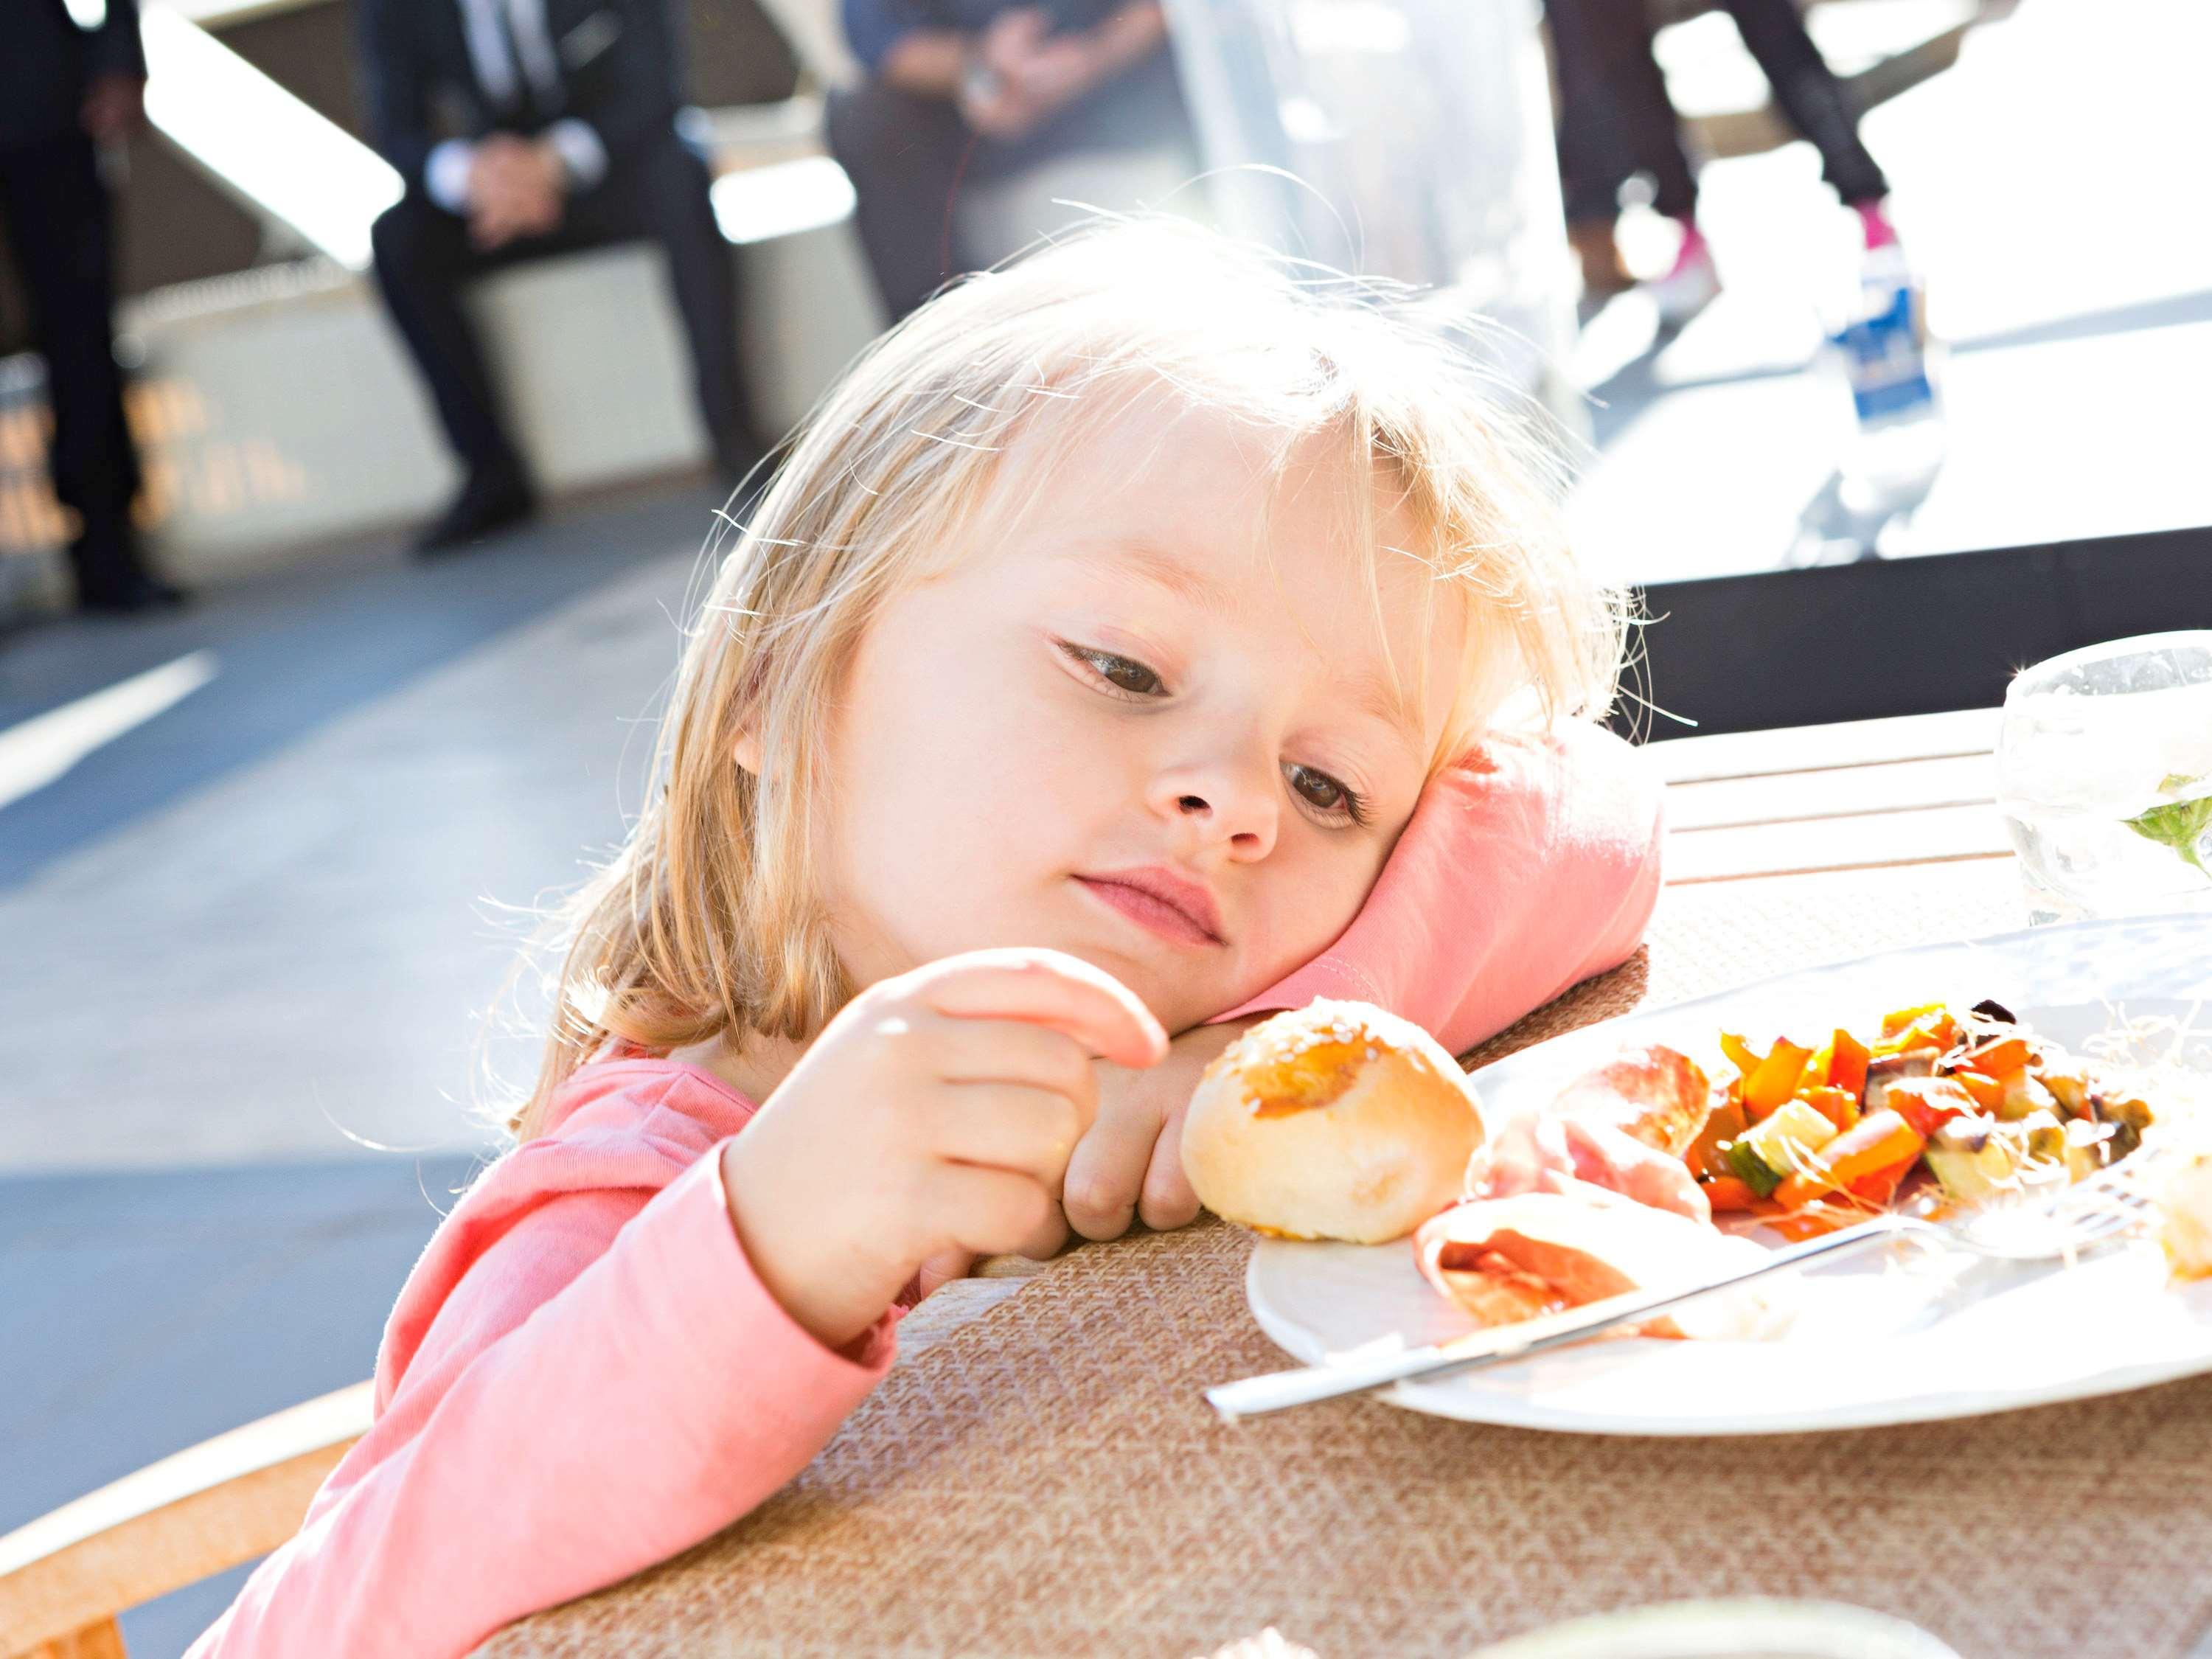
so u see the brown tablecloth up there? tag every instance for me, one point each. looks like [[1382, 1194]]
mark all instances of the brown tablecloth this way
[[1048, 1480]]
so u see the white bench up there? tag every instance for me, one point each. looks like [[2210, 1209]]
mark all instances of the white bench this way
[[278, 407]]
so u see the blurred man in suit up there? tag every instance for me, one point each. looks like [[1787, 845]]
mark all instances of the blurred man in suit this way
[[966, 91], [65, 91], [526, 127]]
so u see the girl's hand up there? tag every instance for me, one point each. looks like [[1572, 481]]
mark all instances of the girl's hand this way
[[934, 1115], [1129, 1165]]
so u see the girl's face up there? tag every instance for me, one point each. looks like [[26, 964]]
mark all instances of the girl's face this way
[[1150, 725]]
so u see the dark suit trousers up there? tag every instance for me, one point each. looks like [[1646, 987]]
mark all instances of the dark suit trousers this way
[[1615, 120], [56, 210], [424, 257]]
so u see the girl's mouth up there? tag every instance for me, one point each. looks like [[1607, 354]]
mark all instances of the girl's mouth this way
[[1168, 905]]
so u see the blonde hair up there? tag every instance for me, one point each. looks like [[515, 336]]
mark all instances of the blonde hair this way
[[708, 920]]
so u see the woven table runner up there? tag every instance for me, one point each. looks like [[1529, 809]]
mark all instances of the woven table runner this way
[[1048, 1480]]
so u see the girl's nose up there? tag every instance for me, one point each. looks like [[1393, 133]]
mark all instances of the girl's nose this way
[[1233, 807]]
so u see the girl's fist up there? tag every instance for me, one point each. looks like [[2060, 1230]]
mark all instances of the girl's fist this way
[[934, 1115]]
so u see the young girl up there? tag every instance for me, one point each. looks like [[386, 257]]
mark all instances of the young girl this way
[[1134, 641]]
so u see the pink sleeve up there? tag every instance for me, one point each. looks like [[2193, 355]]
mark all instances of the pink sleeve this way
[[607, 1385], [1528, 865]]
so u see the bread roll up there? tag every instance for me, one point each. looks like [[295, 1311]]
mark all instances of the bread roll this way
[[1337, 1121]]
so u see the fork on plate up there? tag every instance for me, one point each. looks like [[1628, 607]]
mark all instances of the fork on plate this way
[[2093, 1212]]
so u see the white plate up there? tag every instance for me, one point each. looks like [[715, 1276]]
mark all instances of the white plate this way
[[1875, 1342]]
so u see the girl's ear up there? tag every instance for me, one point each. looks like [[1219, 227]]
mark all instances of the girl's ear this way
[[747, 751]]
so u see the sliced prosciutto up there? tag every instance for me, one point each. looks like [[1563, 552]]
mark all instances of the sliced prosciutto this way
[[1509, 1259], [1623, 1127]]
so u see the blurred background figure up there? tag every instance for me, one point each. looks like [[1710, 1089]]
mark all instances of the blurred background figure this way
[[562, 115], [1615, 121], [71, 95], [961, 92]]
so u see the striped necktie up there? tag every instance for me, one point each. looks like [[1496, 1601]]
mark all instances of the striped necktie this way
[[513, 55], [532, 44]]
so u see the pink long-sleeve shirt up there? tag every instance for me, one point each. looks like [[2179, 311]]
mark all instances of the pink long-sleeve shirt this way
[[583, 1375]]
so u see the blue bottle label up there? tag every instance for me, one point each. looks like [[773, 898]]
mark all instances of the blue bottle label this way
[[1888, 370]]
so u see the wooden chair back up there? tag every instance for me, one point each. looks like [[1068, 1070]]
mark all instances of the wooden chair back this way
[[66, 1576]]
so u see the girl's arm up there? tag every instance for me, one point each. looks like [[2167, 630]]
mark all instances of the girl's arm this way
[[608, 1383], [1528, 866]]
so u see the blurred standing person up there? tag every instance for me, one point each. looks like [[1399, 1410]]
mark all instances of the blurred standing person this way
[[66, 93], [564, 115], [1615, 120], [960, 90]]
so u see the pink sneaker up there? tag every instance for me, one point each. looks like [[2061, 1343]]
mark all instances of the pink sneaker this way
[[1691, 285], [1874, 223]]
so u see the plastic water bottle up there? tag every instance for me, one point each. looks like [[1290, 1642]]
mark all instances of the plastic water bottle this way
[[1898, 444]]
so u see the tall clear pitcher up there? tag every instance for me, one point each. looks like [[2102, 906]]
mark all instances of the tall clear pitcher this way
[[1403, 139]]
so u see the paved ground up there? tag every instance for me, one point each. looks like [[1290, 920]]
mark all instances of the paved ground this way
[[254, 860], [278, 946]]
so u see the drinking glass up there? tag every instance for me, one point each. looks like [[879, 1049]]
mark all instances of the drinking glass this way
[[2104, 778]]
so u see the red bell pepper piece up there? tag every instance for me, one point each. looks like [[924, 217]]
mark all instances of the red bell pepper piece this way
[[1848, 1071], [1926, 1101]]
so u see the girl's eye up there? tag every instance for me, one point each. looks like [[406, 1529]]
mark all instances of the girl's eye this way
[[1323, 792], [1123, 674]]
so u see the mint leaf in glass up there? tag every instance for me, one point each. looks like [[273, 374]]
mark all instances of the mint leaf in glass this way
[[2180, 824]]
